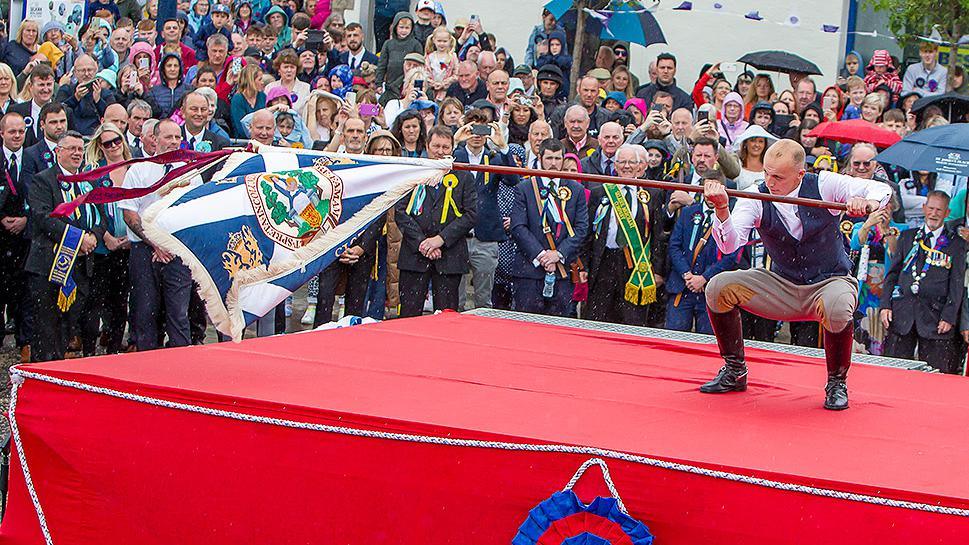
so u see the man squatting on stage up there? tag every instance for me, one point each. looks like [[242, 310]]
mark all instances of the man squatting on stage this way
[[810, 278]]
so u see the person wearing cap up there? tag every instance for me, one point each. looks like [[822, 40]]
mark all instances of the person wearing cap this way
[[549, 88], [523, 73], [424, 11], [538, 40], [469, 87], [928, 77], [390, 68], [218, 24], [603, 76]]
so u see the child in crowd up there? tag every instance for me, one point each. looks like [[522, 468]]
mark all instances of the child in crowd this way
[[423, 27], [556, 53], [441, 61], [390, 69], [856, 96]]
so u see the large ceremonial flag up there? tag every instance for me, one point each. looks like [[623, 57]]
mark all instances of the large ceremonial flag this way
[[270, 221]]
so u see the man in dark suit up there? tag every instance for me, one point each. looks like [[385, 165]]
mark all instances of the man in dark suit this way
[[14, 243], [434, 223], [195, 109], [549, 222], [694, 260], [611, 255], [53, 124], [41, 81], [46, 192], [602, 161], [925, 283], [488, 229], [357, 263], [356, 54]]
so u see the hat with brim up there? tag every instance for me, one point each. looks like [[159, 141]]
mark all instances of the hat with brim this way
[[754, 131], [515, 85]]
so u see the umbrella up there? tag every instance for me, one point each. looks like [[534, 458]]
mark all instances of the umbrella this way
[[951, 102], [627, 22], [780, 61], [630, 24], [938, 149], [853, 131]]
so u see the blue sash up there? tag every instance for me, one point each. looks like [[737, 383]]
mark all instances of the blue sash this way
[[60, 271]]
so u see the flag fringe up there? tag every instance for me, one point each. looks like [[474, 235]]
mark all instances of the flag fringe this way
[[228, 318]]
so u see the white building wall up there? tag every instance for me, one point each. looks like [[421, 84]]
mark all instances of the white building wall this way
[[695, 37]]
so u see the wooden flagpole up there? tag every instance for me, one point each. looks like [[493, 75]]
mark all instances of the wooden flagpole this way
[[496, 169]]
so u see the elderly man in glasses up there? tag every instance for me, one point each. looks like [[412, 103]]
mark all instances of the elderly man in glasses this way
[[861, 164]]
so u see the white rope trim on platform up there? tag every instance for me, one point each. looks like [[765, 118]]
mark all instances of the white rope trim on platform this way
[[16, 380], [605, 477], [19, 375]]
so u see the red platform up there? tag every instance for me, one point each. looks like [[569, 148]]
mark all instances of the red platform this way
[[110, 470]]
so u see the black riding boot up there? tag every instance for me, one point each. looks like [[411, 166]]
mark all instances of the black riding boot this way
[[837, 353], [733, 375]]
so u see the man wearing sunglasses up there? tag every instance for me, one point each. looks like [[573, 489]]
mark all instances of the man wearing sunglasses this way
[[861, 164]]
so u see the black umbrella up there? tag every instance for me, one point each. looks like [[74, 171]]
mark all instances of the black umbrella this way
[[780, 61], [950, 102]]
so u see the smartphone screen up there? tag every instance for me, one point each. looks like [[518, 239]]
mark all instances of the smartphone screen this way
[[419, 84]]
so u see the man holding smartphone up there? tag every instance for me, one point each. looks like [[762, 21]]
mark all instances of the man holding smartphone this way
[[85, 98], [480, 142]]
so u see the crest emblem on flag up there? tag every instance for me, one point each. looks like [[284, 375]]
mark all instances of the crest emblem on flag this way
[[294, 205]]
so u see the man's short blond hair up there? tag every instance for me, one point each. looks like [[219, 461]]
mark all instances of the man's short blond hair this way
[[788, 150]]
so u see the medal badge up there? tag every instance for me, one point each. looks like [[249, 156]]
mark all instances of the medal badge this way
[[643, 196], [564, 194]]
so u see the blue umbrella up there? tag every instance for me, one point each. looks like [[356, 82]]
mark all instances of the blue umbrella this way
[[622, 21], [631, 24], [938, 149]]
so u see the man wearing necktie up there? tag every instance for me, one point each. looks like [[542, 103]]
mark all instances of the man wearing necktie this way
[[614, 262], [53, 311], [549, 223], [694, 260], [602, 161], [923, 289], [14, 243], [434, 222]]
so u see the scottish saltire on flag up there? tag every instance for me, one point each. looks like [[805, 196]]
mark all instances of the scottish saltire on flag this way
[[270, 221]]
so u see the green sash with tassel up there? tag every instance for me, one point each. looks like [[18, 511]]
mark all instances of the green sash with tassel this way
[[640, 288]]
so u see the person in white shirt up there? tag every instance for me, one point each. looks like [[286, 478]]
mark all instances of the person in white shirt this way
[[157, 276], [810, 277]]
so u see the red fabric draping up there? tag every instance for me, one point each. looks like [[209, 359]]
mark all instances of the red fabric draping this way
[[109, 470]]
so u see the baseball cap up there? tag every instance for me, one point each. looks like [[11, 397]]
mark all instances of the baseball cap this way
[[220, 8], [425, 4], [599, 74], [522, 70]]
